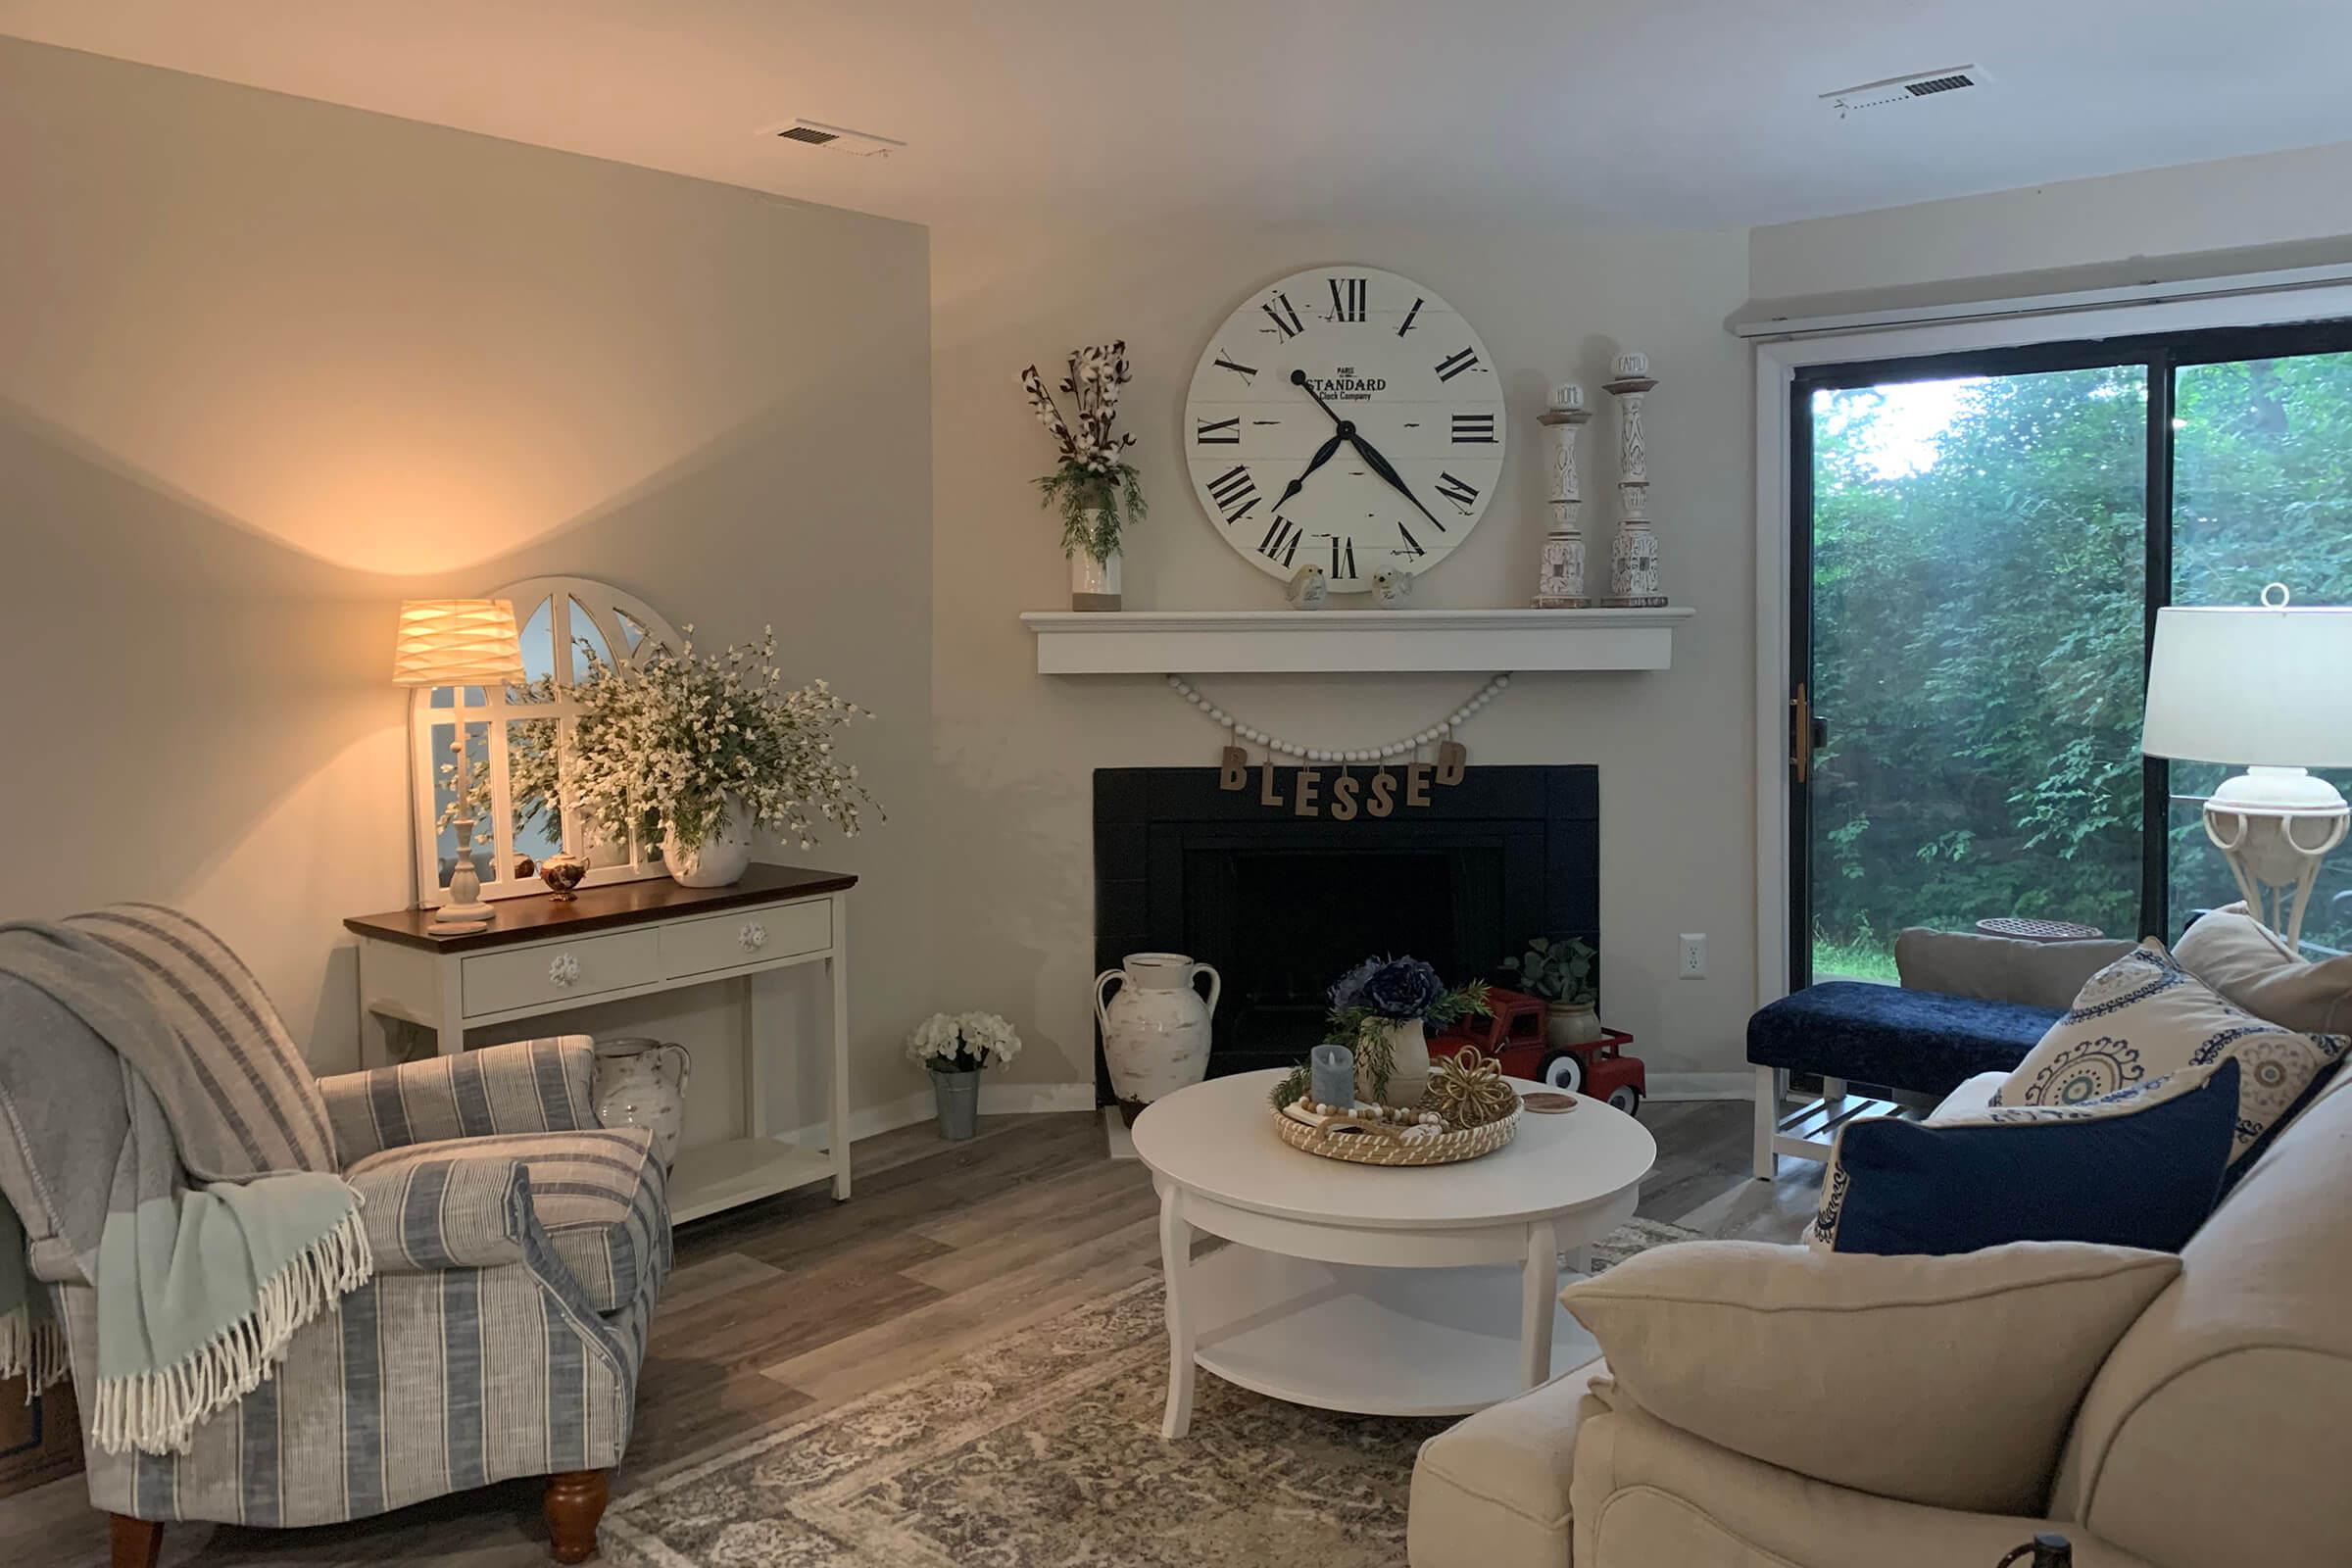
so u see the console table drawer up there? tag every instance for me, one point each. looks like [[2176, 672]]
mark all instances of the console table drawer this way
[[559, 971], [745, 936]]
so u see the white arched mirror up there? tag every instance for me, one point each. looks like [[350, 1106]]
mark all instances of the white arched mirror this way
[[515, 736]]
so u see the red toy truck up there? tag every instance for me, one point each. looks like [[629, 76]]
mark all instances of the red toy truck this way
[[1513, 1035]]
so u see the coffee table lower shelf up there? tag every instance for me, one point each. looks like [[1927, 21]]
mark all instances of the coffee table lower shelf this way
[[1411, 1342]]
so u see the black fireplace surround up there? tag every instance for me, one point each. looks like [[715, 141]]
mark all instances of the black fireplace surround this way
[[1283, 903]]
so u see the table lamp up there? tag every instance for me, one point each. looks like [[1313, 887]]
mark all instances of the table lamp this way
[[2268, 688], [459, 643]]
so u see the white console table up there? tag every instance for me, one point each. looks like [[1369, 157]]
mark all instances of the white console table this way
[[539, 957]]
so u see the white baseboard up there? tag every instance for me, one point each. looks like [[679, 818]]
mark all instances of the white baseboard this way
[[1703, 1086], [996, 1100], [1034, 1099], [1116, 1135]]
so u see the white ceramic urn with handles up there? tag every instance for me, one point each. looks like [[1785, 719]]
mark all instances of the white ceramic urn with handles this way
[[1156, 1026]]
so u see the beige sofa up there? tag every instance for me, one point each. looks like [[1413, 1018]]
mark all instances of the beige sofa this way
[[2213, 1437]]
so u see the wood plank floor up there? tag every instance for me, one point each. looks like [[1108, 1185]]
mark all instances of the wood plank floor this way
[[783, 1308]]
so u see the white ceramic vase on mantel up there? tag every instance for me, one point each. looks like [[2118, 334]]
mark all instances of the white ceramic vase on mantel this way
[[718, 861], [1155, 1030]]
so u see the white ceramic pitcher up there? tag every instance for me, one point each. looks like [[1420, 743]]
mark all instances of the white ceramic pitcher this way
[[640, 1082], [1155, 1030]]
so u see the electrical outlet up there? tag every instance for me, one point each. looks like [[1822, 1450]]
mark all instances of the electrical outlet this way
[[1695, 956]]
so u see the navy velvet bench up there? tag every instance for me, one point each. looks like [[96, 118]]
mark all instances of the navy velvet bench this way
[[1850, 1031]]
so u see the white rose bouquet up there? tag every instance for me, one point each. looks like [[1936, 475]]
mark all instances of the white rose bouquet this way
[[963, 1041]]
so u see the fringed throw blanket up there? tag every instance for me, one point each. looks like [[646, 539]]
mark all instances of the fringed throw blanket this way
[[133, 1047]]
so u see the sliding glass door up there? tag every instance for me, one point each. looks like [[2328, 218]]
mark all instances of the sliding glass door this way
[[2260, 493], [1981, 546]]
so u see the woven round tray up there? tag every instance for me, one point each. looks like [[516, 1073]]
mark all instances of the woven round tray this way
[[1371, 1149]]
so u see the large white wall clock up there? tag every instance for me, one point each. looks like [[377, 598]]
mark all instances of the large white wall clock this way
[[1348, 419]]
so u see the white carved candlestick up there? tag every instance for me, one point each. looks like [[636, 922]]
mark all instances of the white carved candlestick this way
[[1634, 561], [1560, 583]]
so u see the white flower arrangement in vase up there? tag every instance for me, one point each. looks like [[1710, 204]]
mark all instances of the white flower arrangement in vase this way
[[955, 1047], [702, 751]]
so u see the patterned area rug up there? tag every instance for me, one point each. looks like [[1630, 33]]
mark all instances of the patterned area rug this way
[[1045, 1453]]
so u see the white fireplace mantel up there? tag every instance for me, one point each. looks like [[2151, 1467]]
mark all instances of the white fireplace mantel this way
[[1292, 642]]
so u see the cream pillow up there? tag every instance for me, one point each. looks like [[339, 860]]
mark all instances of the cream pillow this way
[[1971, 963], [2145, 1017], [2240, 957], [1945, 1381]]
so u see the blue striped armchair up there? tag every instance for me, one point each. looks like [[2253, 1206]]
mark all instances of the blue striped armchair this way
[[519, 1248]]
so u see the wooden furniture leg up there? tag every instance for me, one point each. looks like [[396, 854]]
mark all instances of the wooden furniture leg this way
[[136, 1542], [837, 1085], [1538, 1292], [575, 1502], [1769, 1089], [1176, 1268]]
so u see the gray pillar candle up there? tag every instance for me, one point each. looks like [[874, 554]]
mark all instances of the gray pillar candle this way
[[1332, 1074]]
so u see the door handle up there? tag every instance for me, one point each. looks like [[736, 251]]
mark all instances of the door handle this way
[[1808, 732]]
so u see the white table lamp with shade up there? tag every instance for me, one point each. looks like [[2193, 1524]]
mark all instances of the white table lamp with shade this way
[[2267, 687], [459, 643]]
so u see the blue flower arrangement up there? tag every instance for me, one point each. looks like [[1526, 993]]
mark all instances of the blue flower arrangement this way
[[1389, 988], [1379, 993]]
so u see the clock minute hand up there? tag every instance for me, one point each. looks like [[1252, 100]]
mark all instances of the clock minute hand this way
[[1321, 456], [1382, 466], [1299, 379]]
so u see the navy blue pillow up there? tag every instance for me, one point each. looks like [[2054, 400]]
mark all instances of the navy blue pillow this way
[[2143, 1178]]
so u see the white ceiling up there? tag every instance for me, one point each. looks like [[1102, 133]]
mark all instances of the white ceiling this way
[[1682, 113]]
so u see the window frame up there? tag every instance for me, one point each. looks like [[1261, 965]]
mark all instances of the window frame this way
[[2164, 336], [605, 604]]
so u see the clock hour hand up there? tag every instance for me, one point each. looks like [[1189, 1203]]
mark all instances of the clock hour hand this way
[[1382, 466], [1321, 456]]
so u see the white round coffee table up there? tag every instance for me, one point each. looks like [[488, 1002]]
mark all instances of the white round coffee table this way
[[1379, 1290]]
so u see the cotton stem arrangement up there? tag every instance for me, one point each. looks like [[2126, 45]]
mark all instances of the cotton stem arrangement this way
[[1093, 485]]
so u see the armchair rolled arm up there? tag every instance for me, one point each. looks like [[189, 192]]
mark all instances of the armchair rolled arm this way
[[426, 1215], [530, 1086]]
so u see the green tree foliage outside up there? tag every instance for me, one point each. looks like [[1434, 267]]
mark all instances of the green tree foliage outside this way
[[1979, 578]]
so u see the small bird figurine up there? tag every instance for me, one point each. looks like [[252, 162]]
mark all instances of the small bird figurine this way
[[1309, 588], [1392, 588]]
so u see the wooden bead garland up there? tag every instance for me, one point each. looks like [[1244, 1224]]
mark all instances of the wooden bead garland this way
[[1405, 746]]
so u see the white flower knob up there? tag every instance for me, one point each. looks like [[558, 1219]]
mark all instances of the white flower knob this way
[[563, 969], [753, 936]]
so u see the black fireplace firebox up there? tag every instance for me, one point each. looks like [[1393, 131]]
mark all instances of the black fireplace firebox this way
[[1282, 904]]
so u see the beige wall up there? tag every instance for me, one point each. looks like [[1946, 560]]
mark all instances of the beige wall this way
[[2236, 214], [1016, 749], [268, 367]]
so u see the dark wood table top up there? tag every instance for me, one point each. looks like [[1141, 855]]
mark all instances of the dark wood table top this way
[[537, 917]]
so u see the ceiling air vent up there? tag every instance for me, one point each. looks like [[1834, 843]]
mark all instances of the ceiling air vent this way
[[835, 139], [1905, 89]]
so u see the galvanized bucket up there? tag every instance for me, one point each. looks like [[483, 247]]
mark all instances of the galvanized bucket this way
[[958, 1096]]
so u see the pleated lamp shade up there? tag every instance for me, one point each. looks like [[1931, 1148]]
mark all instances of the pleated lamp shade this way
[[456, 642]]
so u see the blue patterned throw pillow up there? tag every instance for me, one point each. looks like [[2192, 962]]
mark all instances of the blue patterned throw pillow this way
[[2139, 1166], [2143, 1017]]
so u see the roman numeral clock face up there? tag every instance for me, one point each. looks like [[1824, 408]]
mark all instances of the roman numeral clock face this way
[[1348, 419]]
